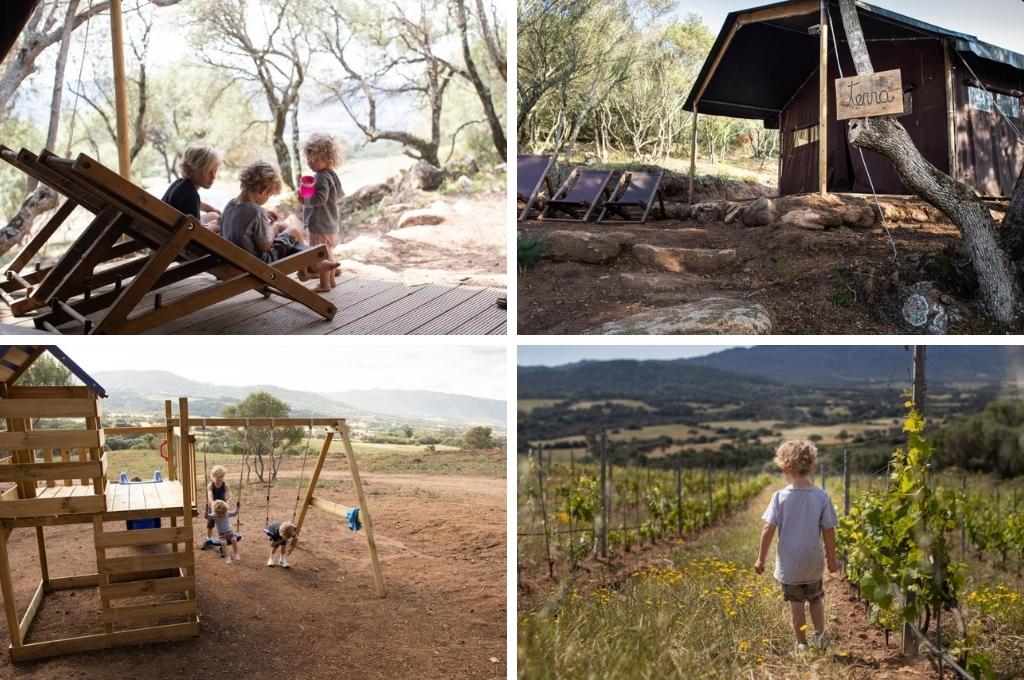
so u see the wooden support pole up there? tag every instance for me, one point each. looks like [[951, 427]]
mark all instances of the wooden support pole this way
[[823, 102], [950, 112], [364, 512], [188, 492], [693, 152], [44, 570], [313, 479], [7, 589], [104, 578], [172, 468], [120, 88]]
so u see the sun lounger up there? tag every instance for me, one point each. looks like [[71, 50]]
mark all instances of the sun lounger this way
[[97, 291], [532, 175], [635, 193], [577, 204]]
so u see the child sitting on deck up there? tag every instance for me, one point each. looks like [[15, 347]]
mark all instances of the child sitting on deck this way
[[217, 490], [252, 228], [280, 534], [804, 517], [199, 166], [222, 519], [320, 211]]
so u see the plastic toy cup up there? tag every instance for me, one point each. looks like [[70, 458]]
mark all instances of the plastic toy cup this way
[[307, 186]]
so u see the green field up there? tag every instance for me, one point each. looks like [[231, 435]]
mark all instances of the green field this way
[[630, 403], [527, 405]]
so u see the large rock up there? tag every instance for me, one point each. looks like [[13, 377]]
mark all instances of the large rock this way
[[412, 218], [861, 216], [759, 212], [423, 176], [712, 316], [364, 198], [583, 246], [709, 211], [806, 218], [684, 259], [466, 165], [677, 211]]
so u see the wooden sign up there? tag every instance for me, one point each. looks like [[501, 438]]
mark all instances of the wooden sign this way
[[879, 94]]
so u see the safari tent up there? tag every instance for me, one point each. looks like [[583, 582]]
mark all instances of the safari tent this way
[[768, 61]]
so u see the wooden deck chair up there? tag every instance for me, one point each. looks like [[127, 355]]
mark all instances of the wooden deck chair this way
[[579, 203], [168, 247], [636, 190], [532, 175]]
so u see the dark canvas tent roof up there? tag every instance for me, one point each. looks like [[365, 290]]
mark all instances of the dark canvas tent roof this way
[[766, 62], [16, 359]]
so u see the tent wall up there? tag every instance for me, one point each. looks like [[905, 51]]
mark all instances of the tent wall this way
[[989, 153], [923, 71]]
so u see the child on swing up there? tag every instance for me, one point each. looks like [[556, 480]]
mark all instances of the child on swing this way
[[222, 519], [216, 490], [280, 535]]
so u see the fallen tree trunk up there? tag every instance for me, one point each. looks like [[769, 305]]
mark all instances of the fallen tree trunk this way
[[39, 201], [999, 289]]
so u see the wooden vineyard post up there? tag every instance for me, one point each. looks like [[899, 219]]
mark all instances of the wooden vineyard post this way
[[846, 481], [544, 513], [679, 495], [572, 480], [823, 101], [710, 498], [910, 644], [604, 465], [610, 496], [963, 534], [364, 512]]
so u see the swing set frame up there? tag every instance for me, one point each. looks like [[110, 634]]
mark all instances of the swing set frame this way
[[179, 430]]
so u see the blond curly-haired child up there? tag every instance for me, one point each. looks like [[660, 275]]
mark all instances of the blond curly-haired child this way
[[320, 211]]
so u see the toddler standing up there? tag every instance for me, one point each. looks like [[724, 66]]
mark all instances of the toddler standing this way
[[320, 211]]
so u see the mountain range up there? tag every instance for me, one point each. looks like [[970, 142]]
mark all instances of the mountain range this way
[[143, 392]]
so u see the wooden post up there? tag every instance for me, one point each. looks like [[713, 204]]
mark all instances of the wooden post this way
[[846, 481], [188, 481], [823, 102], [950, 112], [314, 479], [172, 470], [693, 152], [364, 511], [679, 495], [603, 536], [120, 88], [7, 589], [544, 512], [44, 570]]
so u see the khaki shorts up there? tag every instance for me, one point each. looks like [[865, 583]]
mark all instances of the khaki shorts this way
[[803, 592]]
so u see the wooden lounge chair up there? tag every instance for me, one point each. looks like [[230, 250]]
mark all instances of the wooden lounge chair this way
[[578, 204], [92, 287], [635, 191], [532, 175]]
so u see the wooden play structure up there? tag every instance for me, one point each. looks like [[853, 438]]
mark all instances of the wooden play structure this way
[[93, 289], [59, 476]]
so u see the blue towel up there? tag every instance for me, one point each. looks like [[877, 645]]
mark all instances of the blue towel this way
[[353, 520]]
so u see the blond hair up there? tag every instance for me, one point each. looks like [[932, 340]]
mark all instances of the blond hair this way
[[220, 507], [258, 177], [217, 471], [322, 147], [797, 456], [197, 157], [287, 530]]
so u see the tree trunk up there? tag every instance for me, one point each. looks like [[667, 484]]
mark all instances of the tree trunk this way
[[482, 91], [281, 149], [42, 199], [295, 139], [999, 289], [500, 63]]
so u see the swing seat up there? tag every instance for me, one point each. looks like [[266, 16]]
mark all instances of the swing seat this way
[[216, 542]]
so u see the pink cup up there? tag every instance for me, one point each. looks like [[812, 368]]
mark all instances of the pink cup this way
[[307, 186]]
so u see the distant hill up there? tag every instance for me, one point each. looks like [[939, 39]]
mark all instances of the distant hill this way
[[865, 365], [425, 404], [144, 392]]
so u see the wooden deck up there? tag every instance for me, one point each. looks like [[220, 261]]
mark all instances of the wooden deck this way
[[124, 501], [365, 307]]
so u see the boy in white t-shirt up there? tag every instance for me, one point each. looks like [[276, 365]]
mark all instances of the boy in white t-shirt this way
[[804, 517]]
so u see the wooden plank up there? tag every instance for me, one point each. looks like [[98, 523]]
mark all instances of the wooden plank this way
[[876, 94], [950, 112], [159, 586], [49, 392], [150, 497], [113, 565], [36, 507], [488, 321], [823, 101], [479, 303], [22, 472], [148, 611], [425, 314], [7, 590], [772, 13], [47, 408], [121, 539], [71, 582], [395, 310], [85, 643], [56, 439], [329, 506], [30, 613], [102, 577]]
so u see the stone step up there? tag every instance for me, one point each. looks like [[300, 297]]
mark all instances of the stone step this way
[[678, 260]]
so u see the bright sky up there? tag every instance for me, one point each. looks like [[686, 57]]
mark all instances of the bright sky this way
[[994, 21], [544, 355], [316, 364]]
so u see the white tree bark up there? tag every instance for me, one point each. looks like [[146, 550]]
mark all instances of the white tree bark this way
[[1000, 291]]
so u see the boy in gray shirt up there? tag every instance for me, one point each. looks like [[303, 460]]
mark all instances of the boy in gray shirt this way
[[804, 517]]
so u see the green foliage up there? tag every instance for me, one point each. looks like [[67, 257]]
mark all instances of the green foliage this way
[[530, 250], [47, 371], [478, 437], [263, 444], [992, 440], [16, 133]]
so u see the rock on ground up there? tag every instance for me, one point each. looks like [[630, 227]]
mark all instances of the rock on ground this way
[[709, 211], [759, 213], [423, 176], [412, 218], [367, 196], [684, 259], [711, 316], [810, 219], [583, 246]]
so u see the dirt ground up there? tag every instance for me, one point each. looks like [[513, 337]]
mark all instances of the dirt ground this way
[[837, 281], [441, 541]]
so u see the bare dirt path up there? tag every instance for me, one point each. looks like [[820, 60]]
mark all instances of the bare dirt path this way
[[442, 548]]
